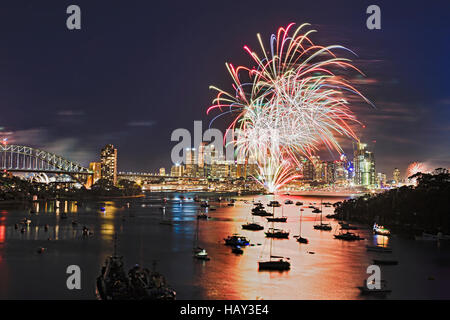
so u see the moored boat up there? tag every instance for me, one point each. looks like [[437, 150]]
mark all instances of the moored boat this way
[[252, 226], [236, 240], [277, 233], [348, 236]]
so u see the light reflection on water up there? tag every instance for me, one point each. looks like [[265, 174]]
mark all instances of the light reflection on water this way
[[325, 268]]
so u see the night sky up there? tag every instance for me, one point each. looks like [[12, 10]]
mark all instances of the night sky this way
[[137, 70]]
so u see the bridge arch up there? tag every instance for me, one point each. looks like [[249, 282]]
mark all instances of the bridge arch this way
[[28, 159]]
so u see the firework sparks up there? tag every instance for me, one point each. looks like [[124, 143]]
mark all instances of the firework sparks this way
[[416, 167], [290, 104]]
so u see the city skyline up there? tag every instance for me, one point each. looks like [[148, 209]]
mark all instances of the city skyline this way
[[116, 100]]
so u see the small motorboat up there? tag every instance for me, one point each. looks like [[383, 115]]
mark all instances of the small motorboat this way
[[202, 255], [301, 239], [288, 201], [236, 240], [298, 203]]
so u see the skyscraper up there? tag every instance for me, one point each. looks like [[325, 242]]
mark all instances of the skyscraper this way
[[364, 165], [396, 176], [108, 160], [177, 170], [191, 162]]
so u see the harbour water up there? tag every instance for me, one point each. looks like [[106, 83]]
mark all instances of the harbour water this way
[[326, 268]]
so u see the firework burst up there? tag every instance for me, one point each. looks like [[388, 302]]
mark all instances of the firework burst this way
[[416, 167], [291, 103]]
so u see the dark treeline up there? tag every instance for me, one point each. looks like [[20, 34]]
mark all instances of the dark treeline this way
[[425, 207], [16, 189]]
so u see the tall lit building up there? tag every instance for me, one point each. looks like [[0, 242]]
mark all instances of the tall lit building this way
[[162, 171], [396, 176], [191, 162], [364, 166], [308, 170], [177, 170], [108, 160], [341, 172]]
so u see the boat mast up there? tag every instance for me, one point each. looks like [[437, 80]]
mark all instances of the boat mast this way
[[196, 235], [300, 232], [321, 211]]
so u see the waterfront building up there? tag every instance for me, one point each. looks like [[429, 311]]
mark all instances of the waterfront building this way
[[364, 166], [162, 171], [177, 170], [308, 170], [108, 160], [329, 171], [341, 174]]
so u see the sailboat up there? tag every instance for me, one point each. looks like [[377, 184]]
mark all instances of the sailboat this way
[[278, 263], [276, 233], [300, 239], [322, 226], [277, 219], [199, 253], [252, 226]]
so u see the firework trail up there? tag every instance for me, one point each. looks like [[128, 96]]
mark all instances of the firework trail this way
[[290, 104]]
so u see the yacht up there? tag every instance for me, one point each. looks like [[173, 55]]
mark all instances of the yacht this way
[[321, 226], [348, 236], [277, 233], [252, 226], [275, 263], [300, 239]]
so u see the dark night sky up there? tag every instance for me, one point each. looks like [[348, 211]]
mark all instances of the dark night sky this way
[[140, 69]]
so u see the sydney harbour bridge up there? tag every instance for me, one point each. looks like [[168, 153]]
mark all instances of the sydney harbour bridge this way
[[43, 166], [39, 164]]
